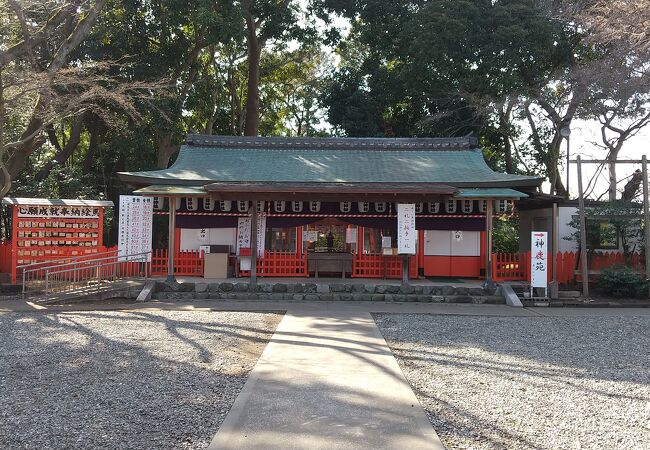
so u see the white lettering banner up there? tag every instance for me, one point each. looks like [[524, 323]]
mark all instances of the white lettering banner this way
[[63, 212], [539, 259], [406, 228], [244, 233], [135, 227]]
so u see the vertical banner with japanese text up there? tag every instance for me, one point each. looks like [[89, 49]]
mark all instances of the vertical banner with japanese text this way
[[244, 238], [539, 259], [406, 228], [135, 227], [243, 233]]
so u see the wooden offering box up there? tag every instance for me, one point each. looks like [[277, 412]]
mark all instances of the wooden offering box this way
[[48, 229]]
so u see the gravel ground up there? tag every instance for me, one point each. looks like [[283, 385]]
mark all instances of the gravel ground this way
[[528, 383], [137, 380]]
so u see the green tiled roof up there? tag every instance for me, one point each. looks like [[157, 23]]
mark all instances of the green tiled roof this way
[[163, 190], [301, 160], [489, 193]]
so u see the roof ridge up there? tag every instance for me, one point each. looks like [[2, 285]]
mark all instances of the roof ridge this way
[[333, 143]]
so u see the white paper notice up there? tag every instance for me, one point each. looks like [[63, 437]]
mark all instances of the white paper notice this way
[[539, 259], [135, 226], [406, 228]]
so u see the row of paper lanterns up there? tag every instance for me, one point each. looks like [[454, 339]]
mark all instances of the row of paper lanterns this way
[[208, 204]]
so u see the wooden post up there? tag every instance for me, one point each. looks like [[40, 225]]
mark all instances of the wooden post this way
[[14, 244], [583, 232], [489, 283], [646, 217], [405, 269], [171, 240], [553, 288], [253, 210]]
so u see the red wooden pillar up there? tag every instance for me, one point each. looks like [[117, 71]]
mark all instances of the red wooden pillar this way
[[359, 240], [177, 240], [483, 257], [100, 228], [420, 258], [299, 248]]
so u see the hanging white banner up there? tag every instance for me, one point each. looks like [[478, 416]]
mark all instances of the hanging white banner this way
[[135, 226], [261, 234], [244, 233], [539, 259], [406, 228]]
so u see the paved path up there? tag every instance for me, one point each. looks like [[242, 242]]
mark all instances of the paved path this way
[[326, 380], [349, 307]]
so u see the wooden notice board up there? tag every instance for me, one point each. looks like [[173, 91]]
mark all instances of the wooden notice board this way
[[50, 229]]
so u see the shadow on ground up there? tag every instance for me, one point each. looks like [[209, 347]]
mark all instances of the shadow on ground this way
[[528, 382], [162, 379]]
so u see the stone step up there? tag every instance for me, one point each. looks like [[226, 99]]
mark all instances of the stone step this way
[[569, 294]]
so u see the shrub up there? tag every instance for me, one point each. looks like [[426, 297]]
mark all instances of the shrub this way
[[621, 281]]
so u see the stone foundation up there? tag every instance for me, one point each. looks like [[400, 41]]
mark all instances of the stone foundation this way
[[323, 292]]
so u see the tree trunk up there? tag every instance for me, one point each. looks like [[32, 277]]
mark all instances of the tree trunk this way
[[611, 192], [253, 95], [165, 150], [614, 150], [89, 159], [63, 154], [507, 148], [21, 153]]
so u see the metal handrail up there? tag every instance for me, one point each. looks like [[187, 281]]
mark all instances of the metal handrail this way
[[86, 270], [54, 261], [129, 258]]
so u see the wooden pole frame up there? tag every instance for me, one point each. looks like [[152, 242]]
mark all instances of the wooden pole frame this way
[[489, 210], [646, 212], [554, 288], [646, 217], [253, 214], [171, 240], [583, 233]]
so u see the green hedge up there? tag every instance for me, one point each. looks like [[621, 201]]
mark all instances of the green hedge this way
[[622, 281]]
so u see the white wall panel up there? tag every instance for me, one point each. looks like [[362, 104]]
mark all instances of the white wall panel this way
[[216, 236], [468, 245], [444, 243], [437, 243]]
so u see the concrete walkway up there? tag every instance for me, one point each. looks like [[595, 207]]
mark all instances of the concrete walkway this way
[[326, 380]]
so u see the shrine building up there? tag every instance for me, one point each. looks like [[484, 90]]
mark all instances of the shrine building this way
[[328, 206]]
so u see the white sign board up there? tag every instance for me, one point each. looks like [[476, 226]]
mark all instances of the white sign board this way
[[386, 242], [406, 228], [350, 235], [310, 235], [202, 236], [135, 225], [539, 259]]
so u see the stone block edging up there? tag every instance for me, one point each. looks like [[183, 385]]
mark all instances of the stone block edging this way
[[164, 291]]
